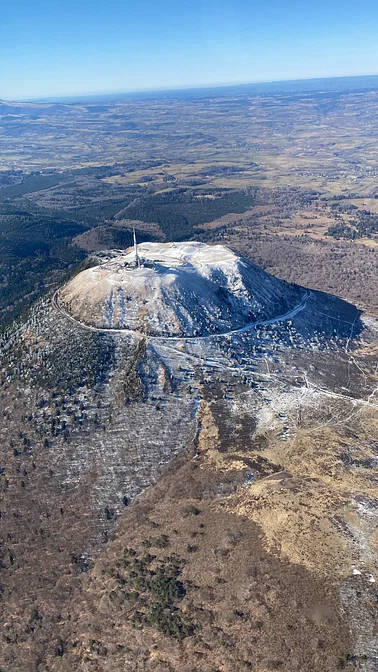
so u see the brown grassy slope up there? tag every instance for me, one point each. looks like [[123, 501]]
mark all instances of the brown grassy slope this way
[[262, 565], [250, 609]]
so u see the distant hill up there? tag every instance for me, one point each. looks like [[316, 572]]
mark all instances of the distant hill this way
[[30, 109], [361, 83]]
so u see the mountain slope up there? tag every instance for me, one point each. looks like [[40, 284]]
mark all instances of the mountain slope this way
[[193, 503]]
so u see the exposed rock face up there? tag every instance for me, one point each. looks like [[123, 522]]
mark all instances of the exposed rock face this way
[[186, 289]]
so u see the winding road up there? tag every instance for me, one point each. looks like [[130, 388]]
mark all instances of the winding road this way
[[131, 332]]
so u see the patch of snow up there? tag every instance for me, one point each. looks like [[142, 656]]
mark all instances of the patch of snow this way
[[184, 289]]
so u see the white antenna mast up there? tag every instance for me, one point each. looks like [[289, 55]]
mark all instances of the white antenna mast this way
[[137, 260]]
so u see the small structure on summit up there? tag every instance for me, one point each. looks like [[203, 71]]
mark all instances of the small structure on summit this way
[[137, 260]]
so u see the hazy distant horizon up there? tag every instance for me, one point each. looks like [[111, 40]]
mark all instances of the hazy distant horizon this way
[[63, 49], [263, 84], [342, 82]]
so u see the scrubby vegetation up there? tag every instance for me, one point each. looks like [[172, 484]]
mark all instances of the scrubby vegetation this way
[[178, 212], [152, 589], [362, 224]]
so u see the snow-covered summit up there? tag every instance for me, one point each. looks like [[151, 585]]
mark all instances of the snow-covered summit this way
[[181, 289]]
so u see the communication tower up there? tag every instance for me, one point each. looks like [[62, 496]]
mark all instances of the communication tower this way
[[137, 259]]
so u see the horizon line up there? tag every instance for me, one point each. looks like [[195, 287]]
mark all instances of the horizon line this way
[[189, 87]]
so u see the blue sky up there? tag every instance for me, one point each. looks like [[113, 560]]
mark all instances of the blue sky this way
[[65, 47]]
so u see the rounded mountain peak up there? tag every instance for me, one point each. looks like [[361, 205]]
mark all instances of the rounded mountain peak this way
[[175, 289]]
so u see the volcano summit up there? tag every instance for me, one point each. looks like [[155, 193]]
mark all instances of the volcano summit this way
[[177, 289]]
